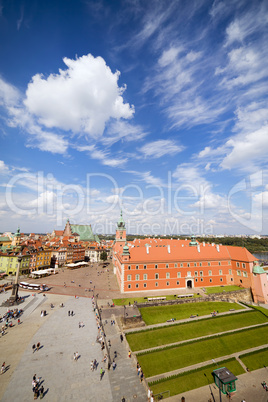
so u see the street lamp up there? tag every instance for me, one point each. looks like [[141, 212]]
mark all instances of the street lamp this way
[[14, 296]]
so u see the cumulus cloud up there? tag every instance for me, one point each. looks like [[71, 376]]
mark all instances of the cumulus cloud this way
[[81, 98]]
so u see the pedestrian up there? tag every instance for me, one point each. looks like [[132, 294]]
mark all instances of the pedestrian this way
[[139, 370], [101, 373], [115, 354], [69, 313], [123, 399], [109, 343], [33, 347], [42, 392], [38, 346], [18, 321], [95, 363], [3, 368], [129, 354], [121, 338], [141, 376], [76, 356], [92, 365], [34, 377], [35, 392], [114, 365], [72, 313]]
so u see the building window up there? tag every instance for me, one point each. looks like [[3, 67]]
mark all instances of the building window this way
[[129, 267], [219, 263], [210, 280], [195, 273], [230, 272], [137, 267], [210, 273], [201, 273], [129, 286], [245, 274], [156, 276], [156, 266], [195, 264], [181, 264], [201, 279], [166, 265], [144, 267], [137, 277], [243, 265], [167, 275], [156, 284], [145, 285], [178, 282], [178, 274], [176, 265], [237, 264], [220, 272], [129, 277], [229, 262], [189, 273], [239, 273], [188, 264], [196, 279], [221, 279], [200, 264], [145, 277], [137, 285], [209, 264], [167, 283]]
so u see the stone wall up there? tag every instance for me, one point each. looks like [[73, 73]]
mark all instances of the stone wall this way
[[243, 295]]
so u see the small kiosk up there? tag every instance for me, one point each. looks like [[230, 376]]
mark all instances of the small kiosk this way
[[225, 380]]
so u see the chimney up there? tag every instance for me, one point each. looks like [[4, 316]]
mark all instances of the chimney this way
[[198, 248], [147, 248], [218, 248], [168, 248]]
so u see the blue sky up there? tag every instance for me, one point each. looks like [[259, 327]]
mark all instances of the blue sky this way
[[158, 108]]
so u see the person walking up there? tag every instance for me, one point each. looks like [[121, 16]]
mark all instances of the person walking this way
[[129, 354], [141, 376], [3, 368], [33, 347], [42, 392], [101, 373], [38, 346], [121, 338]]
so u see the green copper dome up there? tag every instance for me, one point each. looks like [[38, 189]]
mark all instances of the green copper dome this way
[[193, 241], [257, 269], [126, 249]]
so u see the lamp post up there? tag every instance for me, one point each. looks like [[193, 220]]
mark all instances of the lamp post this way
[[15, 287], [210, 388]]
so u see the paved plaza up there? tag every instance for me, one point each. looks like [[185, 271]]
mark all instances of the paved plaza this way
[[60, 337]]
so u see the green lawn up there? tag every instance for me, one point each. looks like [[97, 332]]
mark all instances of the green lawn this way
[[262, 309], [194, 379], [122, 302], [255, 360], [173, 358], [158, 314], [180, 332], [221, 289]]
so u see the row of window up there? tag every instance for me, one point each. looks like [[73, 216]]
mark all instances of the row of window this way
[[137, 285], [137, 276], [188, 264]]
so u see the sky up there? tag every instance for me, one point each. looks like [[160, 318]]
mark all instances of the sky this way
[[157, 108]]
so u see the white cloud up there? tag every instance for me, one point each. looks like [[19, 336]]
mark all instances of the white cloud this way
[[253, 147], [122, 130], [81, 98], [156, 149], [103, 156], [3, 168]]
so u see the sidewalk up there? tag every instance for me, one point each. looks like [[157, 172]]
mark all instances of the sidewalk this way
[[124, 380]]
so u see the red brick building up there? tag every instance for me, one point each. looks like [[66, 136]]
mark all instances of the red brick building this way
[[165, 264]]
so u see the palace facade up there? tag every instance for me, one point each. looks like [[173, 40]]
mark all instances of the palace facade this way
[[168, 264]]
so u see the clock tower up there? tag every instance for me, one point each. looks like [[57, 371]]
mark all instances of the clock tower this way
[[120, 236]]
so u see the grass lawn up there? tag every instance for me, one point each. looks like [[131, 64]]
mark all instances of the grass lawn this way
[[173, 358], [180, 332], [221, 289], [194, 379], [255, 360], [122, 302], [158, 314], [262, 309]]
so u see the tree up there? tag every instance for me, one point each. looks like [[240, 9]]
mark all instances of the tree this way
[[103, 256]]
